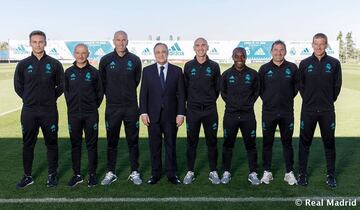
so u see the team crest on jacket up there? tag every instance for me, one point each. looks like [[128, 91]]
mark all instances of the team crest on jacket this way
[[247, 79], [48, 68], [88, 77], [328, 68], [129, 65], [288, 73], [208, 71]]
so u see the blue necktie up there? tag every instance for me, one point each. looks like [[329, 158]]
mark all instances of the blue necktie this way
[[162, 77]]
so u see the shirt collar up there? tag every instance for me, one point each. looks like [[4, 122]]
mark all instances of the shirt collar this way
[[126, 52], [165, 65], [197, 62], [86, 66], [243, 70], [315, 58], [43, 57], [281, 65]]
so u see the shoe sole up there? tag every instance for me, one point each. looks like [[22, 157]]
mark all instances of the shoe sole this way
[[109, 183], [253, 183], [331, 186], [193, 179], [262, 181], [291, 184], [212, 182], [78, 182], [135, 183], [130, 179], [225, 182], [25, 185]]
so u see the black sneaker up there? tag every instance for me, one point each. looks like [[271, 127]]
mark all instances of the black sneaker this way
[[302, 180], [24, 182], [52, 180], [331, 181], [76, 179], [92, 180]]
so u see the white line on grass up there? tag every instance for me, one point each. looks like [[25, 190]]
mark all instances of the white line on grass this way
[[10, 111], [170, 199]]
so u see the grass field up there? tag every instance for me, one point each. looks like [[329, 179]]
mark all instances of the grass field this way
[[348, 159], [11, 171]]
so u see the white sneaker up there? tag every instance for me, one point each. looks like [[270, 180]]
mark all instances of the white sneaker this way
[[253, 179], [135, 178], [267, 177], [226, 177], [214, 177], [290, 178], [189, 178], [109, 178]]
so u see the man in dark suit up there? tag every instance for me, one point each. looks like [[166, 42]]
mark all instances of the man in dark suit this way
[[162, 107]]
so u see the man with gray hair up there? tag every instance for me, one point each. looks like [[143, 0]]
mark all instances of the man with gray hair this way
[[239, 90], [320, 85], [83, 94], [120, 73]]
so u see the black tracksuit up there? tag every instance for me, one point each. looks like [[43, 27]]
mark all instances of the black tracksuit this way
[[278, 87], [320, 84], [84, 94], [240, 89], [120, 77], [202, 84], [39, 83]]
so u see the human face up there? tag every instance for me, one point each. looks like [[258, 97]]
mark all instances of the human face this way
[[161, 54], [278, 53], [201, 47], [319, 45], [239, 60], [120, 41], [38, 43], [81, 54]]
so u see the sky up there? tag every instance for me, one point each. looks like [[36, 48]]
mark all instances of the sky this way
[[189, 19]]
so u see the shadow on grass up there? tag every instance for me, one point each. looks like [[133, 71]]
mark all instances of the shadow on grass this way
[[11, 167]]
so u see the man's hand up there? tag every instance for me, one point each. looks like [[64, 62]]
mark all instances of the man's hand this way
[[179, 120], [145, 119]]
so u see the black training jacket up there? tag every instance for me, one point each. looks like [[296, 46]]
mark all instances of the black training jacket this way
[[83, 89], [39, 82], [320, 83], [120, 77], [239, 89], [278, 87]]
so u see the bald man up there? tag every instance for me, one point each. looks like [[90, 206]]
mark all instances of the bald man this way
[[120, 73], [83, 94], [202, 85]]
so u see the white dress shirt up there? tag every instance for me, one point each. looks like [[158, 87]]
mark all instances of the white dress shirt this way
[[165, 69]]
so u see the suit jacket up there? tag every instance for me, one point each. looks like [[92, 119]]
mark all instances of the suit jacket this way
[[154, 99]]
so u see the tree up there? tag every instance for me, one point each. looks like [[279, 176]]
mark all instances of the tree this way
[[342, 50], [4, 45], [350, 48]]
